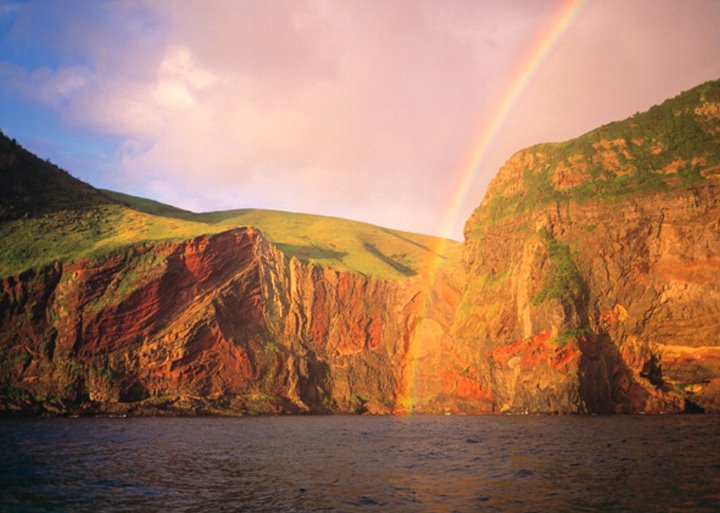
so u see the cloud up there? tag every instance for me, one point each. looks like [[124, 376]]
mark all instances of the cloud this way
[[345, 107], [178, 79], [359, 109], [45, 85]]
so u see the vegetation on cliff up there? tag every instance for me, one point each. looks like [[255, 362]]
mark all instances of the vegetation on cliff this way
[[562, 281], [605, 247], [675, 145]]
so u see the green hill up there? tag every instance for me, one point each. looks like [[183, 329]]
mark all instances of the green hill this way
[[672, 146], [334, 242], [48, 215], [30, 186]]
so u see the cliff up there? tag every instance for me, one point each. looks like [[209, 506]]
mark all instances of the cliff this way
[[593, 268], [221, 323], [588, 283], [116, 304]]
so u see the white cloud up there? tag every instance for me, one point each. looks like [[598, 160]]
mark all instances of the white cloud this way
[[363, 109], [179, 77]]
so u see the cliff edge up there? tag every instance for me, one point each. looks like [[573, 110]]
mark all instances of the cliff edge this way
[[593, 268]]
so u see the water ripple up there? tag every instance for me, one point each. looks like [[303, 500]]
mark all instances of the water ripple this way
[[412, 464]]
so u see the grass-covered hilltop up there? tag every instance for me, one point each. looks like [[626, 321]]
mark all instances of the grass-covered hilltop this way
[[116, 304], [674, 145], [48, 215]]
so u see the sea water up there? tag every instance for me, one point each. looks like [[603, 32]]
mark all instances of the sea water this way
[[349, 463]]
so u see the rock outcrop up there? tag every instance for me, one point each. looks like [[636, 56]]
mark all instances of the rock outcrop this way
[[221, 324], [593, 268]]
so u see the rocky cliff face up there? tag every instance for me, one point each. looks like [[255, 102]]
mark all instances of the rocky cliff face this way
[[590, 284], [223, 324], [593, 268]]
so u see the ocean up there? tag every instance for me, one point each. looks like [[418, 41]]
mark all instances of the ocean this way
[[360, 464]]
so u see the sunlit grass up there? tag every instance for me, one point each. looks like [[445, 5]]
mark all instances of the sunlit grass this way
[[671, 147], [331, 242], [342, 244]]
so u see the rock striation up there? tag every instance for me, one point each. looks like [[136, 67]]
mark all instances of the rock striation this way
[[217, 324]]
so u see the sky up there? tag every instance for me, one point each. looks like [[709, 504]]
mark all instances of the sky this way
[[393, 112]]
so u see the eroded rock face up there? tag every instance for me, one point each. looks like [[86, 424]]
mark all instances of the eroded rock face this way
[[631, 322], [224, 324], [593, 282]]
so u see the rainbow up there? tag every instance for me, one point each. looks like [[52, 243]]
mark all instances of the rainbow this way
[[463, 180], [539, 49]]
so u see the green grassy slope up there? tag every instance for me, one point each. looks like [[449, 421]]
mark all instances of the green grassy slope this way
[[331, 241], [147, 206], [675, 145], [48, 215]]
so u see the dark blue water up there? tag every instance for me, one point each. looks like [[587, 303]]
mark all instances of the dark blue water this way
[[406, 464]]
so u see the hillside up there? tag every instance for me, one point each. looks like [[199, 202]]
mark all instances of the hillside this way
[[31, 187], [593, 265], [48, 215], [117, 304], [334, 242], [671, 147]]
